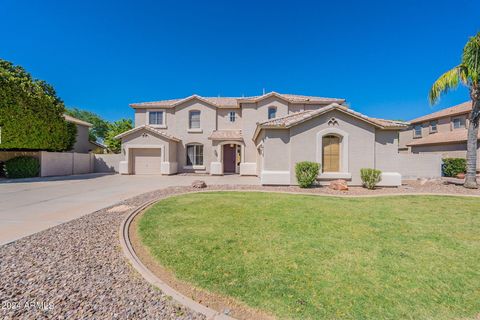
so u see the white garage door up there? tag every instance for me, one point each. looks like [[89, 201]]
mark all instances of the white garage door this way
[[146, 161]]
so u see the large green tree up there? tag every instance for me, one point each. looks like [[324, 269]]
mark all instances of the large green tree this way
[[468, 74], [31, 114], [100, 126], [115, 129]]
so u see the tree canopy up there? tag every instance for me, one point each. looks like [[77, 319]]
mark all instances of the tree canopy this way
[[31, 113], [99, 128], [115, 129]]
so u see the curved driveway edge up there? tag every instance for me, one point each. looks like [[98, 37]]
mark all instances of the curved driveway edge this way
[[152, 278]]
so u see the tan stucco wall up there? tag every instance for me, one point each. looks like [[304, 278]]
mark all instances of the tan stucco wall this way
[[361, 142], [140, 117], [223, 119], [454, 150], [82, 144], [386, 150], [277, 150]]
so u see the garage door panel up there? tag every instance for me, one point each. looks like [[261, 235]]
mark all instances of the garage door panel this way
[[147, 161]]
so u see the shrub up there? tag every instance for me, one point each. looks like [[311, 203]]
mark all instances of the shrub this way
[[370, 177], [306, 173], [454, 166], [22, 167]]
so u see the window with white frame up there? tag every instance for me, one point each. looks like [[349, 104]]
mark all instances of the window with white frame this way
[[417, 131], [194, 119], [433, 126], [272, 112], [458, 123], [194, 155], [156, 118], [232, 116]]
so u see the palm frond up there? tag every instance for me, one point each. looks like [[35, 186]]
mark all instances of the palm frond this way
[[446, 82], [471, 58]]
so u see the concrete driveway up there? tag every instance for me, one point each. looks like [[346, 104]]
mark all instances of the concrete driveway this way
[[30, 206]]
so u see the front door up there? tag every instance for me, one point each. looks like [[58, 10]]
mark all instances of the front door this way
[[229, 158], [331, 154]]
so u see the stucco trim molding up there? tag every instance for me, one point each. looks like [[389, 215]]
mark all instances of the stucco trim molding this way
[[343, 149]]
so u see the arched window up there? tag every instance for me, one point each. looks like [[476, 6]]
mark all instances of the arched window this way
[[194, 154], [272, 112], [194, 119]]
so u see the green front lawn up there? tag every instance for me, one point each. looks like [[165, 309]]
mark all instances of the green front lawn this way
[[296, 256]]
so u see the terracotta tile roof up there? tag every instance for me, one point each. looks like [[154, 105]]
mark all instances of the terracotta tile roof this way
[[233, 102], [147, 128], [76, 121], [459, 135], [295, 98], [235, 135], [461, 108], [296, 118]]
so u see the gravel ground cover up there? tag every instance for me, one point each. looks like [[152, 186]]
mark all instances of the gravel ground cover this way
[[77, 269]]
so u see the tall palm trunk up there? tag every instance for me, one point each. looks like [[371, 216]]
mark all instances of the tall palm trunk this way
[[471, 176]]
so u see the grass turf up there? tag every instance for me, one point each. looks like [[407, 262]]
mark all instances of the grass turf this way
[[295, 256]]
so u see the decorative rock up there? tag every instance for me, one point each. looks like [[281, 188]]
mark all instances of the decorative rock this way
[[461, 176], [199, 184], [340, 185]]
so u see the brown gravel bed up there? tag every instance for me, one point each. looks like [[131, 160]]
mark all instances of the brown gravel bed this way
[[77, 269]]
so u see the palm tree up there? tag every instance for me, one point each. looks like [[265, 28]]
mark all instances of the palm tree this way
[[467, 73]]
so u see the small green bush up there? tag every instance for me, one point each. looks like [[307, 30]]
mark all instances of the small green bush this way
[[370, 177], [306, 173], [22, 167], [454, 166]]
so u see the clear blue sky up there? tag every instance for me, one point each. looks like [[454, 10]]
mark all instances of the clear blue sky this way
[[382, 56]]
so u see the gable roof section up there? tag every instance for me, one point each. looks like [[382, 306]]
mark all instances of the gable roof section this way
[[77, 121], [461, 108], [234, 102], [300, 117], [149, 129]]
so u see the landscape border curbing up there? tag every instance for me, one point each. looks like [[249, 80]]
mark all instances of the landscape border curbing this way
[[210, 313], [152, 278]]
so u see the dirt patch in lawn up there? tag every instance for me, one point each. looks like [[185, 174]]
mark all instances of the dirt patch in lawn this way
[[215, 301]]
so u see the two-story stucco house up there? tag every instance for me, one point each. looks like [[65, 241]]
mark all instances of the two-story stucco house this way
[[262, 135], [443, 132]]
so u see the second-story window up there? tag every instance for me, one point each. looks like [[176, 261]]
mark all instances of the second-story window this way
[[458, 123], [433, 126], [417, 131], [156, 118], [232, 116], [272, 112], [194, 120]]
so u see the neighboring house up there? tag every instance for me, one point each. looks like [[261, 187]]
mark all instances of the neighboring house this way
[[443, 132], [263, 135], [82, 143]]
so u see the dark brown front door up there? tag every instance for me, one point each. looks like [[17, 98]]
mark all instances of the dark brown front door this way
[[229, 158]]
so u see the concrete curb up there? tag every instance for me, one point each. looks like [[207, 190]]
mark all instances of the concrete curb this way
[[153, 279]]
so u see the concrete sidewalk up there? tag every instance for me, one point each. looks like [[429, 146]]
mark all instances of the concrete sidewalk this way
[[31, 205]]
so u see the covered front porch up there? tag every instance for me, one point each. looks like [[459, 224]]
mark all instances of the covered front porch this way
[[229, 154]]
